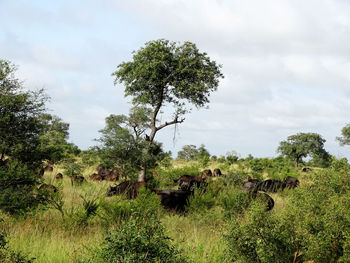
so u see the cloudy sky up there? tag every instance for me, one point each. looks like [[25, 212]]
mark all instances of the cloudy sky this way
[[286, 65]]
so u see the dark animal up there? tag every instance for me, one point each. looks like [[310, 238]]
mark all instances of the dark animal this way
[[129, 188], [41, 171], [217, 172], [77, 179], [206, 172], [173, 199], [112, 176], [48, 168], [48, 187], [306, 169], [105, 174], [291, 182], [4, 162], [96, 177], [270, 186], [188, 182], [59, 176], [250, 184], [270, 203]]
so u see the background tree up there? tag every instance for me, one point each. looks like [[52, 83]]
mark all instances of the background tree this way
[[53, 141], [345, 136], [191, 152], [164, 73], [302, 145]]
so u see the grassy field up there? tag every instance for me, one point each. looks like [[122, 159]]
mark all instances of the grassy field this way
[[201, 234]]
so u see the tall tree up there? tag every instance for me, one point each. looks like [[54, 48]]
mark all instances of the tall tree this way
[[20, 127], [345, 136], [302, 145], [20, 130], [166, 74]]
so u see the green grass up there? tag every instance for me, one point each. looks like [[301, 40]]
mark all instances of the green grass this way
[[46, 236]]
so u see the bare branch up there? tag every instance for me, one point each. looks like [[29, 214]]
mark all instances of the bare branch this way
[[175, 121]]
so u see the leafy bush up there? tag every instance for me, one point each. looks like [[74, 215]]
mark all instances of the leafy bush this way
[[17, 189], [7, 255], [234, 202], [313, 225], [140, 238], [166, 176]]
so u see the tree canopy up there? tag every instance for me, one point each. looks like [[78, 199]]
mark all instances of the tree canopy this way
[[122, 142], [345, 136], [163, 74], [301, 145], [20, 127], [191, 152]]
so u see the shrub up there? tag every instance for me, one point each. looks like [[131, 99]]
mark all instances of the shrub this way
[[140, 238], [17, 189], [313, 223], [7, 255]]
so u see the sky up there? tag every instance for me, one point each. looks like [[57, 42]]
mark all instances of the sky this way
[[286, 65]]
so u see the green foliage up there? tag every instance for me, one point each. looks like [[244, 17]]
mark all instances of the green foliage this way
[[311, 226], [339, 165], [192, 153], [7, 255], [140, 238], [123, 146], [167, 175], [232, 157], [20, 126], [90, 157], [72, 167], [302, 145], [164, 72], [17, 189], [345, 136], [234, 202], [261, 237], [202, 200]]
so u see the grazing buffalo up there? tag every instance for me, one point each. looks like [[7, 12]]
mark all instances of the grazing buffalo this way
[[206, 172], [48, 187], [173, 199], [270, 203], [4, 163], [96, 177], [188, 182], [59, 176], [48, 168], [306, 169], [270, 186], [291, 182], [217, 172], [250, 184], [129, 188], [41, 171], [77, 179], [105, 174], [112, 176]]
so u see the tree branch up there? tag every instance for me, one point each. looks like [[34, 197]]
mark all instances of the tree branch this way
[[175, 121]]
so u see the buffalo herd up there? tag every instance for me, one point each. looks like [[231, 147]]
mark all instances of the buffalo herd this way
[[186, 184], [178, 199], [105, 174]]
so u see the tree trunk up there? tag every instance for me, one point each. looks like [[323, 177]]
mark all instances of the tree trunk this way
[[142, 174]]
